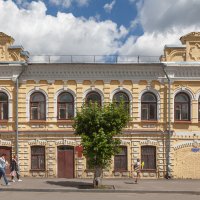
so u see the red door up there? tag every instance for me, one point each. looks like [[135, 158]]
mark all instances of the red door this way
[[8, 152], [65, 162]]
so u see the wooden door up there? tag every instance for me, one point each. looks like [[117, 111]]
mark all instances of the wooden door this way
[[65, 162], [8, 152]]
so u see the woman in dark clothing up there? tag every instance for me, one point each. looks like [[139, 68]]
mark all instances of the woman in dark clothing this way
[[14, 169]]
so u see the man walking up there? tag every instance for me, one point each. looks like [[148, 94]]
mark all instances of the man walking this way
[[3, 164]]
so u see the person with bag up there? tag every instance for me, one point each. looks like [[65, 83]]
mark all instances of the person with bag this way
[[3, 165], [14, 167], [137, 169]]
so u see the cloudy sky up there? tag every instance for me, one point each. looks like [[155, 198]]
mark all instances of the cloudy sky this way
[[98, 27]]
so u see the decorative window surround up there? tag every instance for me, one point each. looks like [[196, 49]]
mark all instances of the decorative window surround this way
[[189, 93], [10, 103], [64, 89], [37, 142], [5, 143], [156, 93], [36, 89], [122, 89], [194, 143], [149, 142], [93, 89]]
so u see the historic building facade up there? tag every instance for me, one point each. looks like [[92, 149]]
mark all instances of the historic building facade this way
[[38, 101]]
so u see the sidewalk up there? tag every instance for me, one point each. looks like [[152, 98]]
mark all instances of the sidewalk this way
[[115, 185]]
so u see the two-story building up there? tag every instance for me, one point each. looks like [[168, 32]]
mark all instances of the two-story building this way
[[39, 97]]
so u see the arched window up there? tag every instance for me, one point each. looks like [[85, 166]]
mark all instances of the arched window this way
[[3, 106], [148, 156], [148, 106], [121, 96], [182, 107], [65, 106], [37, 106], [93, 97]]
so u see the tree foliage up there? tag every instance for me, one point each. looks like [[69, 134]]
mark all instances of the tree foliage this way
[[97, 127]]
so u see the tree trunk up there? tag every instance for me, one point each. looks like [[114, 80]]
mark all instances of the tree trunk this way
[[97, 182]]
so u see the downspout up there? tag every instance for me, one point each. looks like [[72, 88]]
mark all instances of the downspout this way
[[24, 65], [168, 141]]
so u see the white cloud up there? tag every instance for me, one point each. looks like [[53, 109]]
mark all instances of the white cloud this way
[[68, 3], [108, 7], [163, 22], [64, 34]]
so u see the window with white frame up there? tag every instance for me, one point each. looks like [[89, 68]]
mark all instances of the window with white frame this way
[[148, 106], [182, 107], [3, 106], [65, 106], [37, 106]]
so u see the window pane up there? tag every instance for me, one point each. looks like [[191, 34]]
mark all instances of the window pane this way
[[93, 97], [152, 113], [148, 157], [185, 113], [37, 97], [42, 111], [181, 97], [148, 97], [65, 97], [144, 112], [121, 96], [5, 111], [120, 160], [34, 113], [3, 97]]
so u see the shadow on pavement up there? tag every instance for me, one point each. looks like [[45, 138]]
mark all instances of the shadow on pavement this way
[[74, 184]]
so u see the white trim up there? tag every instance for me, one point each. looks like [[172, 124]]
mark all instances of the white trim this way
[[93, 89], [122, 89], [156, 93], [36, 89], [10, 103], [64, 89]]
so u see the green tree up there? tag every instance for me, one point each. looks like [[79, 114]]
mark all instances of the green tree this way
[[97, 127]]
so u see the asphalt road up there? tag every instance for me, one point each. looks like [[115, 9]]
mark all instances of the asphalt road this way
[[8, 195]]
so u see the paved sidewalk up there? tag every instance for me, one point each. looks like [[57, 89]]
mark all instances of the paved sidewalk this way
[[115, 185]]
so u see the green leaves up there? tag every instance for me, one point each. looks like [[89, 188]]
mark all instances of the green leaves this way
[[97, 127]]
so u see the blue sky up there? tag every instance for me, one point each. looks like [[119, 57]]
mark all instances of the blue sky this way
[[98, 27]]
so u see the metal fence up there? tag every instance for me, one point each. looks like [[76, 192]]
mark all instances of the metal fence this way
[[92, 59]]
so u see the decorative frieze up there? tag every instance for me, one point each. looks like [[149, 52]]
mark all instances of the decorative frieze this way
[[37, 142]]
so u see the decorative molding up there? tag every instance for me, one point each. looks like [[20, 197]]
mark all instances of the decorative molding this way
[[149, 142], [125, 142], [37, 142], [5, 143], [67, 142], [194, 143]]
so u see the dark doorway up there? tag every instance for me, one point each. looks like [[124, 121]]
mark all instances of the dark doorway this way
[[65, 162], [8, 152]]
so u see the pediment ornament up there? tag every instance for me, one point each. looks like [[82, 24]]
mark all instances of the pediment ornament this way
[[195, 52]]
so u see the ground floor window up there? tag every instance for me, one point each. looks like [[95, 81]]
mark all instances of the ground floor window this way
[[120, 160], [148, 156], [38, 158]]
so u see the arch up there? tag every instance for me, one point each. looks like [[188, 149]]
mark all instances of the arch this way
[[58, 92], [186, 90], [93, 90], [121, 89], [28, 101], [157, 95], [10, 103]]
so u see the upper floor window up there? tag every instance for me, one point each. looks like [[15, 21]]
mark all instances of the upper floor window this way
[[182, 107], [122, 96], [93, 97], [65, 106], [37, 106], [3, 106], [148, 106], [148, 156]]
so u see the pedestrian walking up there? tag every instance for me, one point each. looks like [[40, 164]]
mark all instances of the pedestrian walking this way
[[3, 165], [14, 168], [137, 169]]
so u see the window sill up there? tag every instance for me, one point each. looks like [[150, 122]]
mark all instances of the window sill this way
[[149, 121], [4, 121], [37, 121], [148, 170], [182, 122], [65, 120], [37, 170], [120, 171]]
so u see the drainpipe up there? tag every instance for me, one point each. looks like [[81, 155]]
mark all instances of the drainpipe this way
[[24, 66], [168, 141]]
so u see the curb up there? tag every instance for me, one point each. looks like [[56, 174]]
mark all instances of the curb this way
[[98, 191]]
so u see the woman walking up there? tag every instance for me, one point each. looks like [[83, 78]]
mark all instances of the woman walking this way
[[14, 169]]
